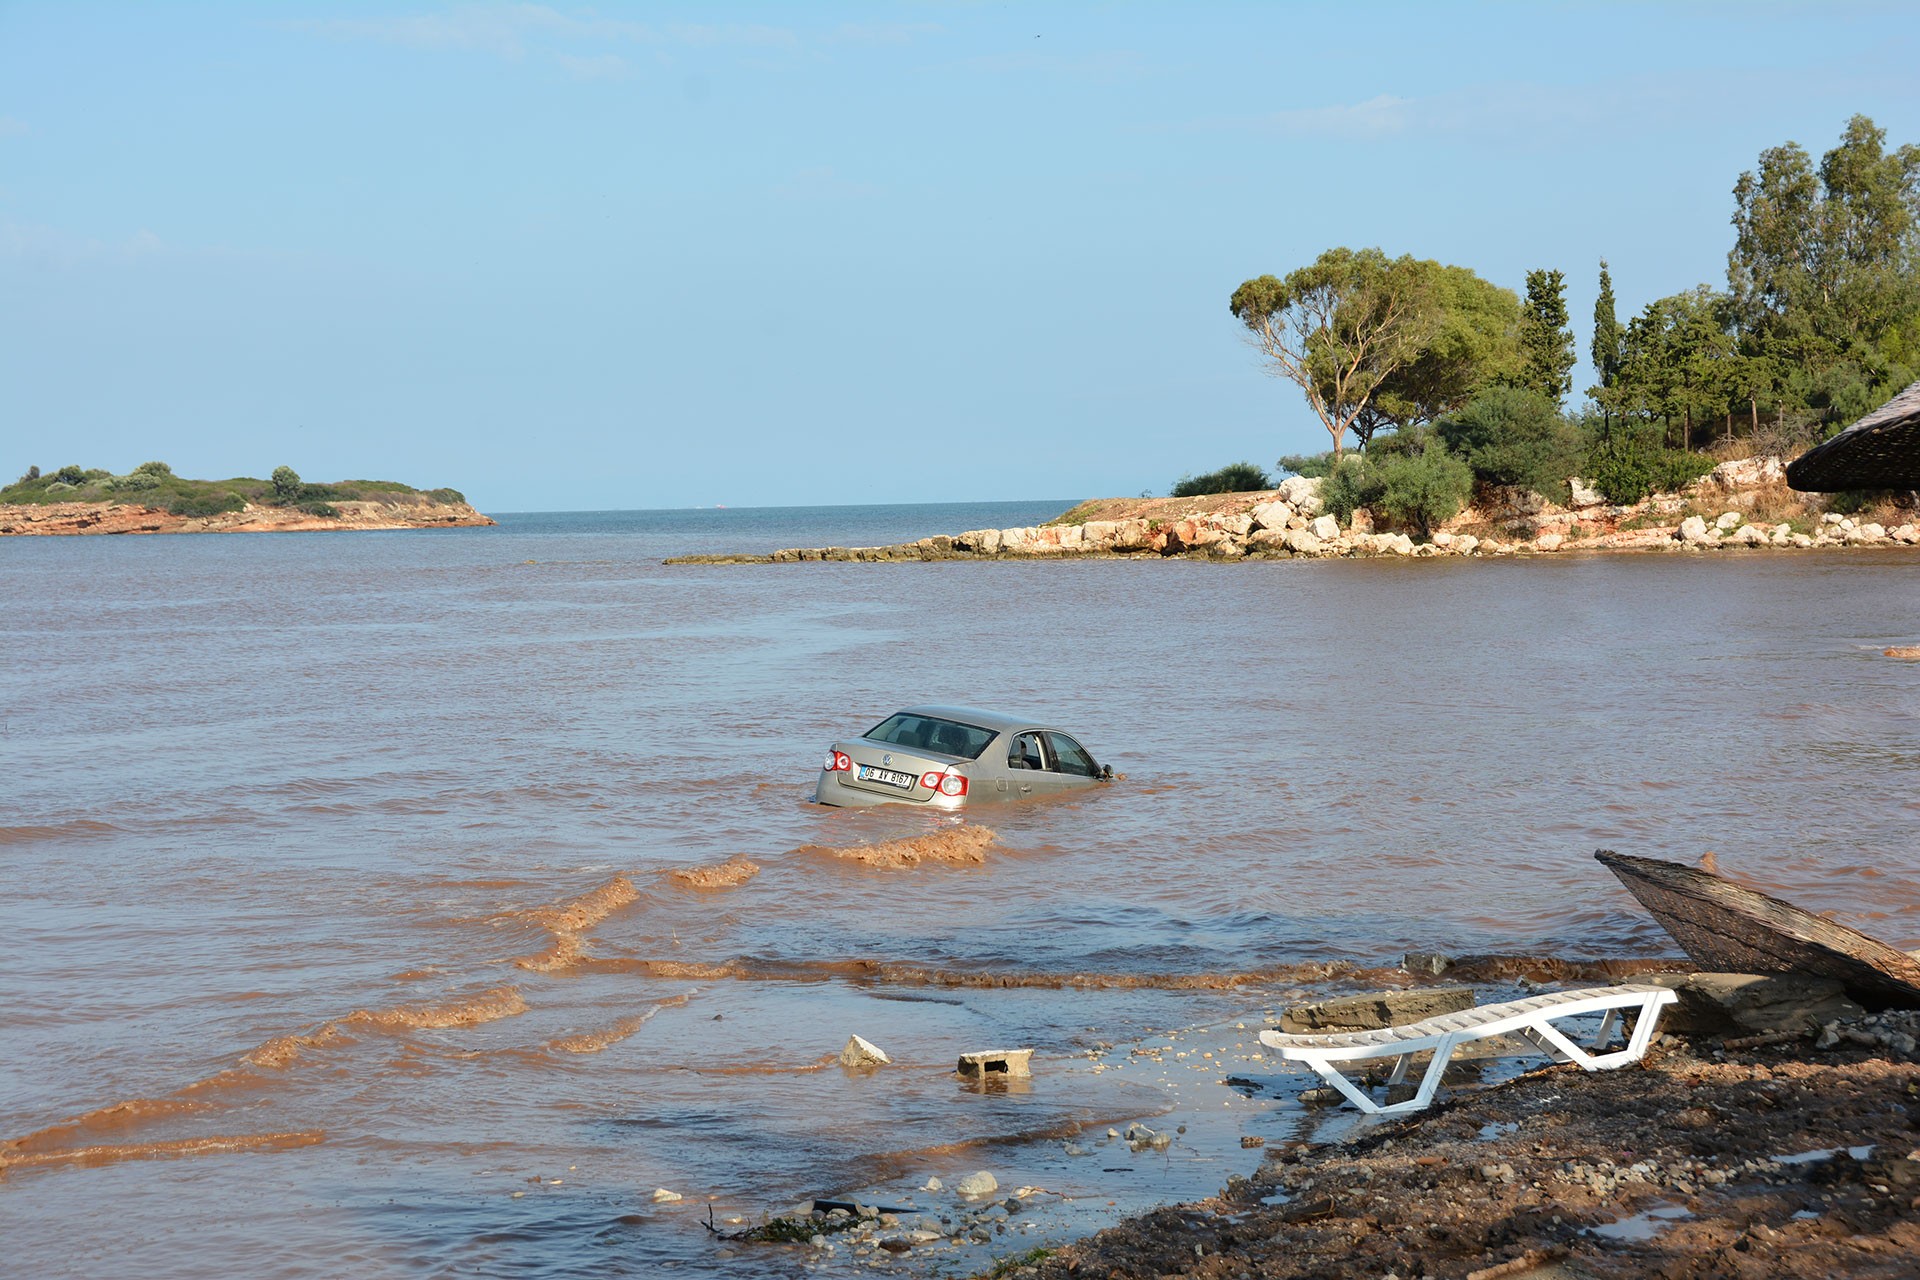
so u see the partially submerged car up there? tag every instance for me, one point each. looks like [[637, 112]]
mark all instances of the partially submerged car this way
[[952, 757]]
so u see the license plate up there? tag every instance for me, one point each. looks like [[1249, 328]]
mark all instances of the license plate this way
[[892, 777]]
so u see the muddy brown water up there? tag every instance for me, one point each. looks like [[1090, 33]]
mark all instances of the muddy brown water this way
[[341, 901]]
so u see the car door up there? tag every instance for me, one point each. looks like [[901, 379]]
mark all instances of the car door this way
[[1071, 766], [1027, 764]]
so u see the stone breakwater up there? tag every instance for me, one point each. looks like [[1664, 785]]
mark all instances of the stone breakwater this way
[[1291, 521], [55, 518]]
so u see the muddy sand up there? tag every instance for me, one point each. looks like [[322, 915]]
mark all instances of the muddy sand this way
[[1708, 1159]]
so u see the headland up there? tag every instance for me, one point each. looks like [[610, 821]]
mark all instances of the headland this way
[[1740, 504]]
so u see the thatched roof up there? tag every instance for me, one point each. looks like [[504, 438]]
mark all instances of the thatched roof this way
[[1881, 451]]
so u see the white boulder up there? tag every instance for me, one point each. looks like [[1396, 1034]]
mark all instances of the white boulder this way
[[861, 1052], [1325, 528]]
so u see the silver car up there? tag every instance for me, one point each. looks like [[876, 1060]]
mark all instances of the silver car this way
[[952, 757]]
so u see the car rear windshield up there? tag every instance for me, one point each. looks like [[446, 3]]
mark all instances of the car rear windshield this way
[[930, 733]]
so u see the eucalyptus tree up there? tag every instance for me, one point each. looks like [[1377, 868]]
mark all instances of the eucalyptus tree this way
[[1340, 327], [1475, 343], [1825, 269]]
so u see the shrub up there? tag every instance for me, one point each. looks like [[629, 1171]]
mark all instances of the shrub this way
[[1424, 489], [1513, 436], [1630, 465], [206, 504], [33, 473], [132, 482], [318, 509], [71, 475], [1235, 477], [153, 469], [1349, 486], [61, 486], [1310, 465], [286, 484], [450, 497]]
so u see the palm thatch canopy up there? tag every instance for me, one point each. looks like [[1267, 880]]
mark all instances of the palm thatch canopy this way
[[1881, 451]]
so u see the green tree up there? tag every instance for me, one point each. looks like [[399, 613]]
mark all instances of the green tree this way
[[1609, 338], [1514, 436], [1546, 341], [1823, 271], [1339, 327], [286, 484], [1475, 343], [1678, 361]]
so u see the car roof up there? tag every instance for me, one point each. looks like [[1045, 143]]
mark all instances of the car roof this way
[[998, 721]]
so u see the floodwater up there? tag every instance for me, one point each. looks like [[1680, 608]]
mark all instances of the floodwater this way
[[342, 936]]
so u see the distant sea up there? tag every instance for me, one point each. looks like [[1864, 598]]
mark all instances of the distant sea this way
[[691, 531]]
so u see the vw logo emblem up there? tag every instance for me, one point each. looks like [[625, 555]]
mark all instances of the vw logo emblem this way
[[886, 759]]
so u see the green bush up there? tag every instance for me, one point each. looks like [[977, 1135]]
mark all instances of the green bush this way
[[132, 482], [450, 497], [1235, 477], [206, 504], [1424, 489], [1351, 485], [153, 469], [318, 509], [61, 486], [1632, 464], [71, 475], [1310, 465], [33, 473], [286, 484], [1513, 436]]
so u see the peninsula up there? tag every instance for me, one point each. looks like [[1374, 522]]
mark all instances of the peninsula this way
[[1743, 503], [151, 499]]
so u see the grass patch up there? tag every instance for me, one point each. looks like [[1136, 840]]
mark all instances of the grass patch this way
[[1078, 515]]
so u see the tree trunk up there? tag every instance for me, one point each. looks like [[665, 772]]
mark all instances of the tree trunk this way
[[1753, 411]]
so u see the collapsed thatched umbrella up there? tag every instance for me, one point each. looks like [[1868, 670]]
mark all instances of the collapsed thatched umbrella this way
[[1881, 451]]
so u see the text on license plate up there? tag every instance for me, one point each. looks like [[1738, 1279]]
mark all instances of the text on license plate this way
[[892, 777]]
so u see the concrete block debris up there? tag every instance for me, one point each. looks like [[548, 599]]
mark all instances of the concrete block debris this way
[[996, 1062]]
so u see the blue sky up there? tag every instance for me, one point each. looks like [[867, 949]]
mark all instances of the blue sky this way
[[661, 255]]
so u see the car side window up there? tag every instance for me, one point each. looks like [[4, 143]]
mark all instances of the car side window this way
[[1070, 757], [1024, 753]]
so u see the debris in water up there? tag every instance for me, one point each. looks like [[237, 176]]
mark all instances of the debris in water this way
[[861, 1052]]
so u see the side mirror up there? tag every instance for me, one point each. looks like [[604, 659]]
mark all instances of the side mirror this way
[[1106, 773]]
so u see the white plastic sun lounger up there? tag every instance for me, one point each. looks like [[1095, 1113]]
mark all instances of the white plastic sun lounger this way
[[1531, 1020]]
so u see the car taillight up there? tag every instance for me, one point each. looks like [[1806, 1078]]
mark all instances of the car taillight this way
[[947, 784], [838, 762]]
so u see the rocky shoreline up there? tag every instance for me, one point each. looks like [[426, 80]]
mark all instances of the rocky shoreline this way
[[1740, 504], [70, 518]]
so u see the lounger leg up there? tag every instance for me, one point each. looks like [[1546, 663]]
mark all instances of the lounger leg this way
[[1399, 1071], [1352, 1092], [1429, 1083], [1605, 1033]]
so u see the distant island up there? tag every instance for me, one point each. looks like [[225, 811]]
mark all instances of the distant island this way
[[151, 499]]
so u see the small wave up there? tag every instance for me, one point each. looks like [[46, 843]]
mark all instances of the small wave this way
[[489, 1006], [595, 1041], [98, 1155], [587, 910], [281, 1051], [80, 829], [957, 846], [731, 874]]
